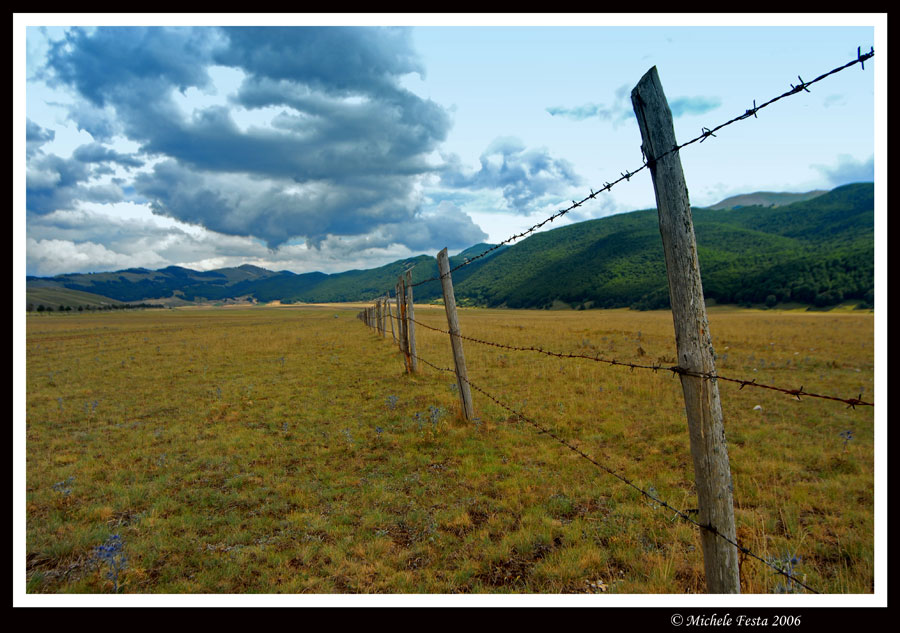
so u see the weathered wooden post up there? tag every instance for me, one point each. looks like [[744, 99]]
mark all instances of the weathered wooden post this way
[[399, 326], [390, 317], [712, 471], [459, 359], [404, 326], [411, 324], [378, 316]]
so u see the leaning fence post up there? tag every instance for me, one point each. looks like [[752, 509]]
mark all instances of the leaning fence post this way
[[462, 378], [410, 323], [712, 471]]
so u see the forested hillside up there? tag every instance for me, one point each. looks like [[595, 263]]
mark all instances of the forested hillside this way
[[818, 251]]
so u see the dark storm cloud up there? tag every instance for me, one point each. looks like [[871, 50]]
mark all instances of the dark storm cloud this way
[[97, 153], [275, 212], [106, 64], [334, 60], [53, 183], [342, 158], [35, 137], [523, 175]]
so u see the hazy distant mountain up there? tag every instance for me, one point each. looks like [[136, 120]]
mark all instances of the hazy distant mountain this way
[[816, 250], [766, 199]]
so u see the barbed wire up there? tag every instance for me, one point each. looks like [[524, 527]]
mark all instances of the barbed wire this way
[[851, 403], [648, 161], [685, 515]]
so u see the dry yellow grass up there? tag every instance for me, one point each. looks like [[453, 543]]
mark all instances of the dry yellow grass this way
[[285, 450]]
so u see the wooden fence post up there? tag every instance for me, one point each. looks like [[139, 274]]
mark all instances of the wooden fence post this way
[[390, 318], [712, 471], [399, 325], [378, 316], [404, 326], [459, 359], [410, 323]]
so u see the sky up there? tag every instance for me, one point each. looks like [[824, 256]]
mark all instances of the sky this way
[[353, 141]]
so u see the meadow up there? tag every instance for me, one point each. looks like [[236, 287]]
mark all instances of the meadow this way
[[285, 450]]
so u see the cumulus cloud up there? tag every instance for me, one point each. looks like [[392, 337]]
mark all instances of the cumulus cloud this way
[[49, 257], [343, 157], [35, 137], [523, 175], [97, 153], [53, 183]]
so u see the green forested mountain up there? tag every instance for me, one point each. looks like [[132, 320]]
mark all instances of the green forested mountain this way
[[816, 251]]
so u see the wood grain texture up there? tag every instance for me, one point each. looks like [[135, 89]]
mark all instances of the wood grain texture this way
[[712, 471]]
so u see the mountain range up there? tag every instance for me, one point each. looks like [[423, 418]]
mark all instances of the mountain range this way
[[763, 248]]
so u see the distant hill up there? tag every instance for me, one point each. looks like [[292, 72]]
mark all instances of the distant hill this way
[[765, 199], [818, 251]]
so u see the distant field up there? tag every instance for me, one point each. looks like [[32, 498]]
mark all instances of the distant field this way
[[285, 451], [55, 297]]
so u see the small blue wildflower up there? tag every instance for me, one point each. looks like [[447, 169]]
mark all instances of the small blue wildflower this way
[[786, 564], [847, 435], [435, 414], [62, 487], [111, 554], [392, 401]]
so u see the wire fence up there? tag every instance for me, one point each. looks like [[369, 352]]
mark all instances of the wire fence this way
[[375, 318], [705, 133], [675, 369], [684, 515]]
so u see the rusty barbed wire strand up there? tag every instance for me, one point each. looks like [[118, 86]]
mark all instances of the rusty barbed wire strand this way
[[705, 133], [851, 403], [661, 503]]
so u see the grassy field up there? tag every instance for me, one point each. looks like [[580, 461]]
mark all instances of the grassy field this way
[[284, 450]]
